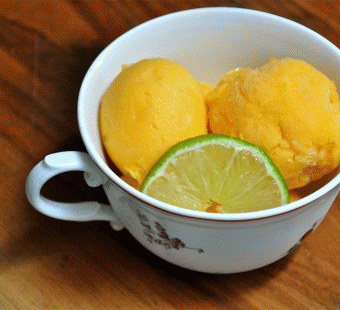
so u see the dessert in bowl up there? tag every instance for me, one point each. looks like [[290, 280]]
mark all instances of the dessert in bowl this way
[[208, 43]]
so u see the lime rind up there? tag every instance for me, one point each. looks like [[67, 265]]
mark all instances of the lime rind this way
[[199, 141]]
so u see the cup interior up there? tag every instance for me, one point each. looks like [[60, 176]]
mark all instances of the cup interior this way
[[207, 42]]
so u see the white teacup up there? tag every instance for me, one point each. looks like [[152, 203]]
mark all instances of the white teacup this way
[[208, 42]]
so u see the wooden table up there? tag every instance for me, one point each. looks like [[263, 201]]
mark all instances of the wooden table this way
[[46, 48]]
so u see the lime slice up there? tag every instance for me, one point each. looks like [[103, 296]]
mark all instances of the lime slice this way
[[216, 173]]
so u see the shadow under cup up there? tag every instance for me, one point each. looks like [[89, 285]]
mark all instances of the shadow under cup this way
[[208, 43]]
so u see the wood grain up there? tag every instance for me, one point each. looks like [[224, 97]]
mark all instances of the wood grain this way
[[46, 48]]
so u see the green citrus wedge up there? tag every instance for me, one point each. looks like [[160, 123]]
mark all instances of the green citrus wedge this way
[[216, 173]]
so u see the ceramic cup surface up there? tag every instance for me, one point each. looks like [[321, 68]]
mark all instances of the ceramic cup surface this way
[[208, 43]]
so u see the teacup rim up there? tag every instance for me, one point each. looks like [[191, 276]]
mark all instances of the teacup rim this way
[[220, 217]]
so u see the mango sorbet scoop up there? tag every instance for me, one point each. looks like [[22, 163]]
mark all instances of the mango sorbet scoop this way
[[289, 109], [150, 106]]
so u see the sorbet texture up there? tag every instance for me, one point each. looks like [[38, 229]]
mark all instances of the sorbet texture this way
[[150, 106], [289, 109]]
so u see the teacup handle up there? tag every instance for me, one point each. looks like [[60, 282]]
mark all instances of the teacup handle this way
[[82, 211]]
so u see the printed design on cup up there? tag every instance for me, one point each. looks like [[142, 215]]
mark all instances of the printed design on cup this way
[[157, 234], [316, 224]]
